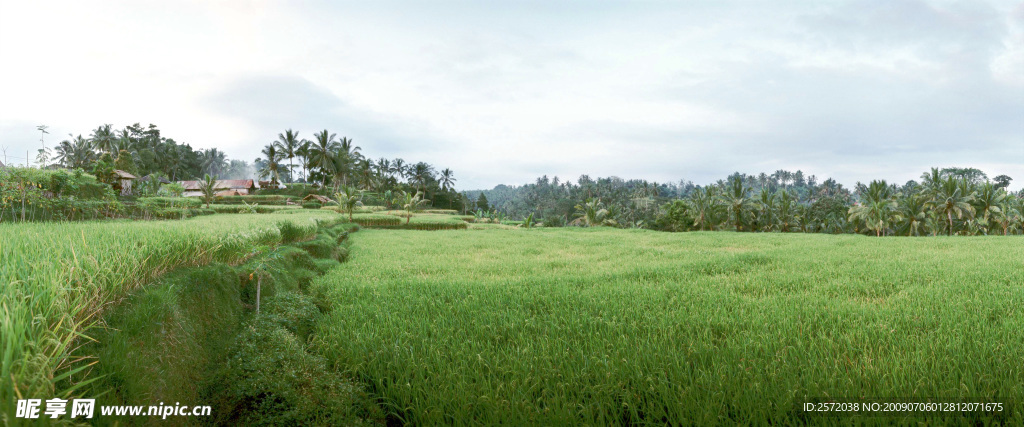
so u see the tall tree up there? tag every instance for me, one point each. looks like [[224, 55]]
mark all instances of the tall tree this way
[[288, 143], [103, 139], [950, 199], [321, 154]]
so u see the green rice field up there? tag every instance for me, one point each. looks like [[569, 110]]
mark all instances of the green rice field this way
[[59, 277], [607, 326]]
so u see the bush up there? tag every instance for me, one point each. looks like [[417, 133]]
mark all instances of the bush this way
[[150, 203], [263, 200], [312, 205]]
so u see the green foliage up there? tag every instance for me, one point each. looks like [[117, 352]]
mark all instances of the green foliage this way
[[348, 199], [208, 186], [312, 205], [28, 194], [266, 200], [125, 162], [167, 202], [104, 170], [173, 189]]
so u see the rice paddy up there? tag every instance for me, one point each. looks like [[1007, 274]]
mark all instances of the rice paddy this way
[[59, 276], [607, 326]]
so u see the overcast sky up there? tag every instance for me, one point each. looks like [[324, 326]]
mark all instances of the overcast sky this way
[[503, 92]]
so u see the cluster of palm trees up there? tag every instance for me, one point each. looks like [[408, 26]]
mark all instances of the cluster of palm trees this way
[[943, 203], [329, 161], [150, 153]]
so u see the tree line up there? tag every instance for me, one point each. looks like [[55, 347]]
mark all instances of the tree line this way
[[950, 201], [326, 162]]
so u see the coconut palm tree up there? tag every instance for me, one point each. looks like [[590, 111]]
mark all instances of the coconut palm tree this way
[[592, 213], [766, 209], [103, 139], [321, 153], [738, 202], [412, 204], [213, 161], [348, 199], [988, 204], [399, 167], [420, 174], [950, 199], [367, 177], [272, 165], [912, 215], [786, 216], [447, 179], [877, 209], [288, 143], [303, 152], [704, 204]]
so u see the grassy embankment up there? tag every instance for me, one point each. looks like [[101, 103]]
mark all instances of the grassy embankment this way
[[60, 277], [603, 326]]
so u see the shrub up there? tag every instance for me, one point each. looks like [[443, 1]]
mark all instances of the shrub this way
[[263, 200], [312, 205], [150, 203]]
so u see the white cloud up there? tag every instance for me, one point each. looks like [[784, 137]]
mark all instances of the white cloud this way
[[503, 92]]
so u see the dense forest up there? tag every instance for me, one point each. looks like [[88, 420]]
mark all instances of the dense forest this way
[[962, 201]]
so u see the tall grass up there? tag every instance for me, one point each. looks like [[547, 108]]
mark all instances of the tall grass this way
[[573, 326], [57, 277]]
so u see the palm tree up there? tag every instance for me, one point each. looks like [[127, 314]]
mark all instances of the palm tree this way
[[81, 154], [288, 143], [593, 214], [103, 139], [878, 207], [766, 213], [272, 166], [931, 181], [213, 161], [208, 186], [303, 152], [348, 199], [447, 179], [786, 211], [912, 215], [321, 153], [704, 203], [738, 201], [399, 167], [988, 203], [63, 153], [950, 199], [420, 173], [367, 178], [411, 204]]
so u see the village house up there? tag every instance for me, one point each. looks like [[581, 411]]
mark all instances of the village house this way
[[223, 187]]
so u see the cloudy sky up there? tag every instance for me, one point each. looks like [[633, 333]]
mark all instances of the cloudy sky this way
[[503, 92]]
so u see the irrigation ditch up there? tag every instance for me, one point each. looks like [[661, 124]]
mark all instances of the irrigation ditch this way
[[234, 337]]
